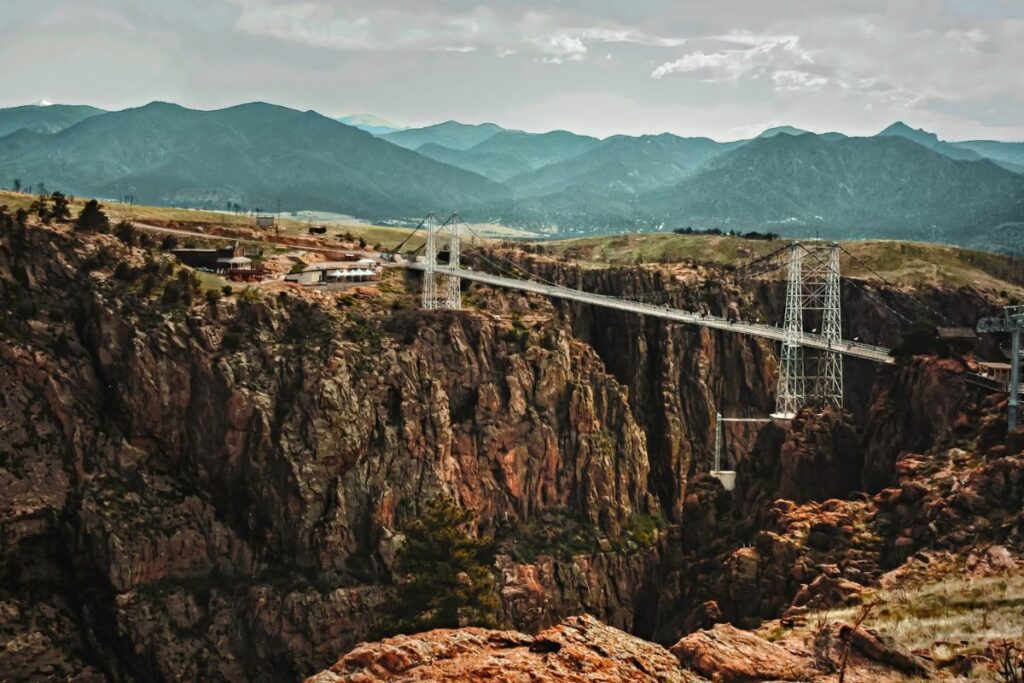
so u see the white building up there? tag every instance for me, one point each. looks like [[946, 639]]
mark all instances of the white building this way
[[326, 272], [234, 263]]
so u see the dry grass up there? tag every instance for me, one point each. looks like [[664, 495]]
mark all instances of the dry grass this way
[[337, 227], [906, 262], [950, 616]]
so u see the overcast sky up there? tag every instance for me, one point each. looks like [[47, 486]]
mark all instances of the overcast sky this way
[[724, 68]]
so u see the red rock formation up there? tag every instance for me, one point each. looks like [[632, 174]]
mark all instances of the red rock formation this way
[[915, 404], [579, 650], [733, 656]]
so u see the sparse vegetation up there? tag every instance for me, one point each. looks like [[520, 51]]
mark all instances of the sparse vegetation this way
[[945, 614], [554, 532], [249, 295], [92, 218], [41, 209], [127, 233], [308, 324], [61, 207], [644, 529], [751, 235], [862, 613], [912, 263], [183, 289], [444, 573], [1011, 663]]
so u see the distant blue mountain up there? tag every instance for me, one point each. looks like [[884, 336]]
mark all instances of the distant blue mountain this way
[[373, 125], [450, 134], [43, 118], [252, 154], [508, 153], [902, 183]]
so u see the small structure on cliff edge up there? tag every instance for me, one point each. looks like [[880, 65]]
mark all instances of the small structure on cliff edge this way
[[327, 272], [959, 340], [1012, 322], [232, 262]]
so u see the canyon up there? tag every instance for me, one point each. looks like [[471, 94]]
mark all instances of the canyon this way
[[211, 488]]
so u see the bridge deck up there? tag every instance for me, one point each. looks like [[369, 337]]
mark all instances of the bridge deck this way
[[877, 354]]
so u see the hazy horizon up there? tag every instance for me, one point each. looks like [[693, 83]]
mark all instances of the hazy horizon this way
[[727, 70], [337, 116]]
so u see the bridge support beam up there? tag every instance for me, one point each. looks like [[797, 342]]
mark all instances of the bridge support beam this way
[[791, 393], [452, 283], [822, 294], [812, 292], [441, 290]]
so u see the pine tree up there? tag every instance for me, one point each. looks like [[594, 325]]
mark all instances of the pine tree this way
[[92, 218], [61, 210], [443, 573], [41, 209]]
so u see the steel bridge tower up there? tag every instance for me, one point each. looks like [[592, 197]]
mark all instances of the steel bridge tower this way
[[789, 397], [822, 300], [441, 290], [812, 295]]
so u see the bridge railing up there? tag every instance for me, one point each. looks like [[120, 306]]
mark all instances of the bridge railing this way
[[858, 349]]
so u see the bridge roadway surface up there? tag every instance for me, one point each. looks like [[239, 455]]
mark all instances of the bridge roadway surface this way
[[877, 354]]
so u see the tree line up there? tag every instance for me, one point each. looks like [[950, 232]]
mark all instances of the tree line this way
[[751, 235], [56, 208]]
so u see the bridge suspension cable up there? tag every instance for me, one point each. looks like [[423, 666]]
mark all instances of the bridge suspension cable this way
[[401, 244], [938, 315]]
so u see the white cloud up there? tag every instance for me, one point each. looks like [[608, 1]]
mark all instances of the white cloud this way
[[563, 45], [606, 35], [320, 23], [967, 40], [792, 80], [760, 56]]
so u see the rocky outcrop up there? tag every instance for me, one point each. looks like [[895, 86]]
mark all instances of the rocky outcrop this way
[[730, 655], [579, 650]]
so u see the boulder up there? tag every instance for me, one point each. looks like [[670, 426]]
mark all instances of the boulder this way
[[725, 653], [579, 650]]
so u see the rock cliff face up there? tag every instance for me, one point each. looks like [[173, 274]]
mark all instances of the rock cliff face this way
[[211, 490]]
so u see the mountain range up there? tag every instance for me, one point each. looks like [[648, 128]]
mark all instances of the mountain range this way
[[43, 118], [901, 183], [370, 123], [251, 154]]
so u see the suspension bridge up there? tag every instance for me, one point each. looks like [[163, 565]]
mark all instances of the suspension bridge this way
[[811, 362]]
